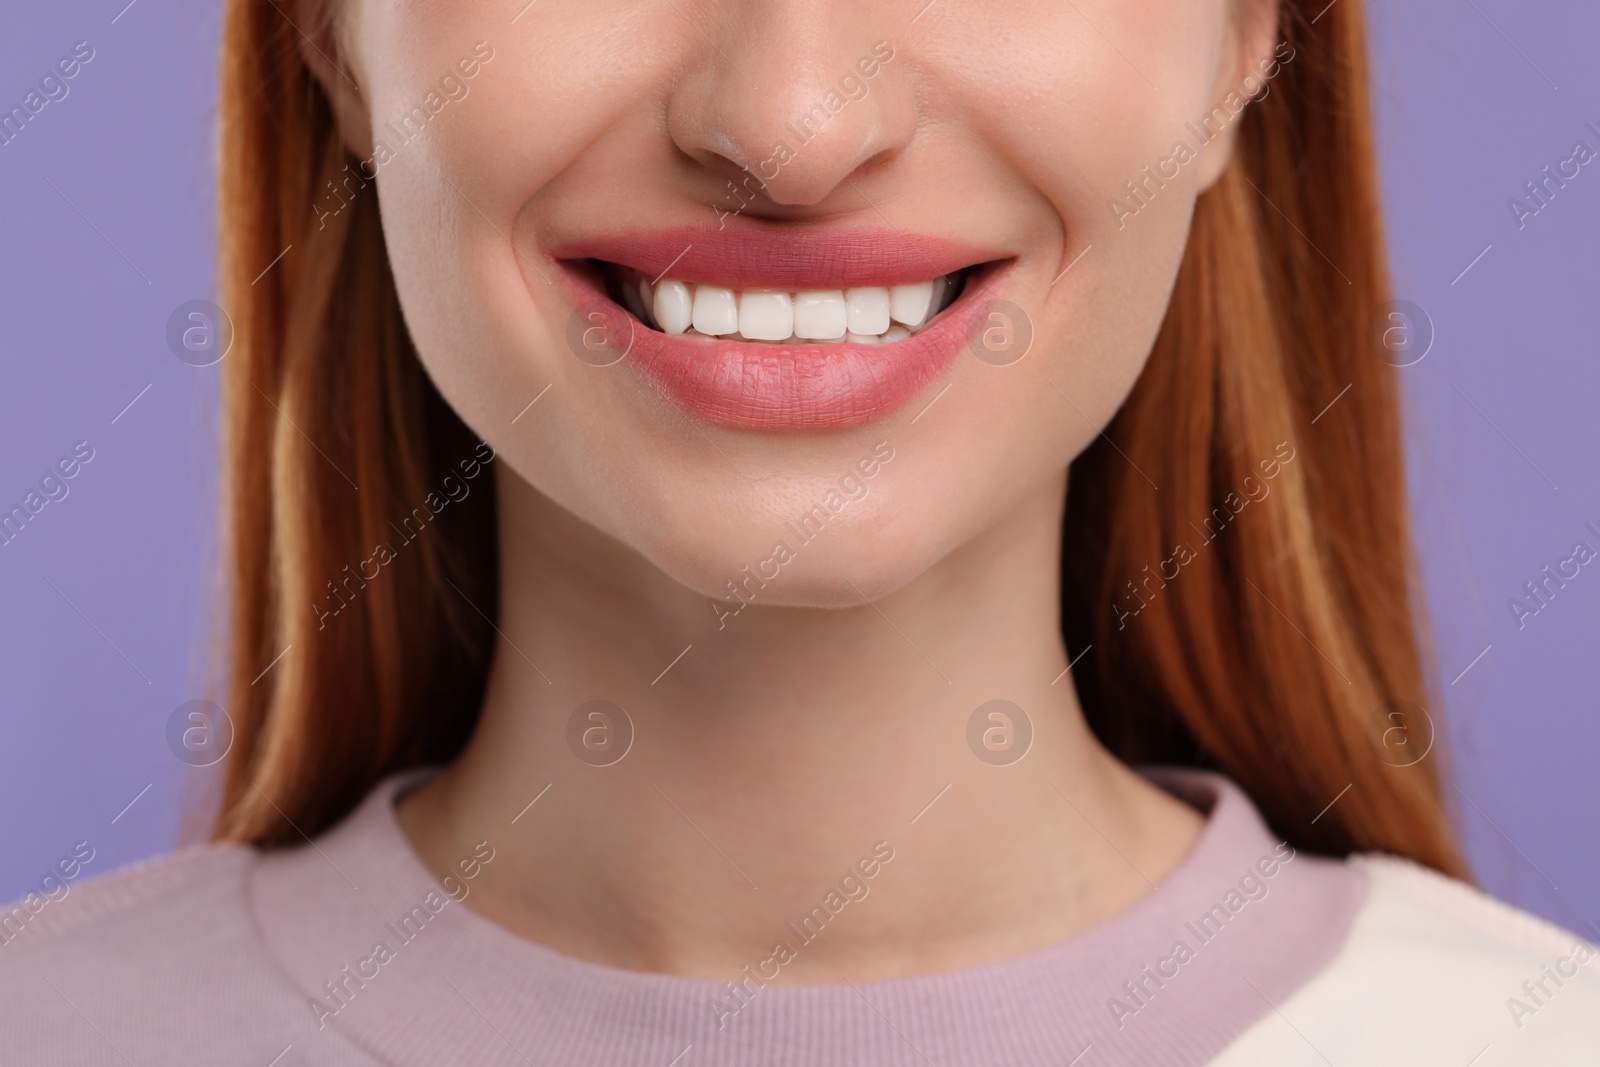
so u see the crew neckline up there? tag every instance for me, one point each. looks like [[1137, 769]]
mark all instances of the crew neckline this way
[[463, 987]]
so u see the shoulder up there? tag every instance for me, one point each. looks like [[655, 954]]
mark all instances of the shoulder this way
[[1436, 972], [208, 874], [160, 958]]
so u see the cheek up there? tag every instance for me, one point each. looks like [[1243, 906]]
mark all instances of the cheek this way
[[465, 205], [1068, 121], [465, 208], [1070, 108], [1080, 110]]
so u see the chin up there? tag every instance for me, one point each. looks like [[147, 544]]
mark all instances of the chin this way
[[803, 562]]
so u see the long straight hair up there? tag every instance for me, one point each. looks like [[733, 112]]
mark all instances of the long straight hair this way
[[1277, 647]]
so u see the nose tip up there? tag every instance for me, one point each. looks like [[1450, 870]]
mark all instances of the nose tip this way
[[788, 112]]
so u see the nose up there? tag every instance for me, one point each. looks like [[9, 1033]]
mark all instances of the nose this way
[[787, 99]]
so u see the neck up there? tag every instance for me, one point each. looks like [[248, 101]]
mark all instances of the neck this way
[[779, 754]]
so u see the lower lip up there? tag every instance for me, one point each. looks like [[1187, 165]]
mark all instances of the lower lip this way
[[751, 386]]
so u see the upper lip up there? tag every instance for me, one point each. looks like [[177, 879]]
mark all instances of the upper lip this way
[[758, 255]]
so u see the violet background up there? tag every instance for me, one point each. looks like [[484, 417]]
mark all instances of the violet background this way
[[105, 597]]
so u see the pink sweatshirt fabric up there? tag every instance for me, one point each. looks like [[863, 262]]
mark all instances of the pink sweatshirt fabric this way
[[348, 952]]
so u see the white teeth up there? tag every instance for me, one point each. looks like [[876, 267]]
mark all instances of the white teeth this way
[[716, 310], [646, 300], [868, 315], [674, 306], [866, 310], [820, 314], [910, 304], [764, 315]]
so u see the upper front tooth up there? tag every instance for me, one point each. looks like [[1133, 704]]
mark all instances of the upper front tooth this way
[[775, 315], [764, 315], [910, 303], [716, 310], [866, 311], [819, 314], [674, 306]]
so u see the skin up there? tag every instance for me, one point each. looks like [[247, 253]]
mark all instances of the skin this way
[[825, 716]]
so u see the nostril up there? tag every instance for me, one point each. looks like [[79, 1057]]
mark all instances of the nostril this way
[[826, 111]]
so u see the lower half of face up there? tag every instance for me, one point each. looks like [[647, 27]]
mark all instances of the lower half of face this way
[[720, 276]]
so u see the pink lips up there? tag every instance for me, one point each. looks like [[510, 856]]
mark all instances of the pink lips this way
[[782, 387]]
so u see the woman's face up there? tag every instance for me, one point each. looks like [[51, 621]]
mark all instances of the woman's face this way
[[781, 168]]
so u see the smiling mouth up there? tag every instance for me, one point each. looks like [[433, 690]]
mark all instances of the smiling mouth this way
[[773, 328], [866, 315]]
